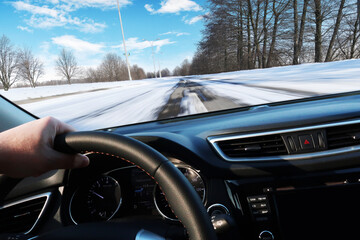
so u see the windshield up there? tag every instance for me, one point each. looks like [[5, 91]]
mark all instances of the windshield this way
[[103, 63]]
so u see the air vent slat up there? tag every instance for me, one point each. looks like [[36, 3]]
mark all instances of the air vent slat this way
[[342, 130], [275, 145], [343, 136], [340, 138], [269, 145], [343, 144], [254, 142], [21, 217]]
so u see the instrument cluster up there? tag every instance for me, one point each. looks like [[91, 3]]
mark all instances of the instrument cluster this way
[[125, 191]]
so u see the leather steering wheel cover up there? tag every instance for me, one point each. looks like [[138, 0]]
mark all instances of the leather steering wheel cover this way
[[180, 194]]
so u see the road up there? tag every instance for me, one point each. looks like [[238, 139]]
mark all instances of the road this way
[[165, 99]]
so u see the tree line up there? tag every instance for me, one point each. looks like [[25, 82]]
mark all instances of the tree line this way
[[18, 64], [113, 68], [249, 34]]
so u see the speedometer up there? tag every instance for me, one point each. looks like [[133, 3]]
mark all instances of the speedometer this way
[[103, 198], [196, 181]]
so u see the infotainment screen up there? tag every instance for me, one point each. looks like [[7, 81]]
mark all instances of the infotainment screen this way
[[321, 214]]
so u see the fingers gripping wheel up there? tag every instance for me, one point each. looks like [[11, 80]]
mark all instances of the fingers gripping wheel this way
[[181, 196]]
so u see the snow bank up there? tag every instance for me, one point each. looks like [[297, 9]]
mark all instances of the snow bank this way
[[20, 94], [320, 78]]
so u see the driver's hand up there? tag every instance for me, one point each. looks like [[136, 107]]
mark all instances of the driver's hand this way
[[27, 150]]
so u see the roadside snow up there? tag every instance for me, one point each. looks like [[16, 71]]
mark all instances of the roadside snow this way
[[20, 94], [117, 106], [320, 78]]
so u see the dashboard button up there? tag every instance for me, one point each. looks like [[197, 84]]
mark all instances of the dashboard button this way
[[265, 211], [252, 199], [306, 142], [259, 205], [291, 143], [321, 140], [261, 198]]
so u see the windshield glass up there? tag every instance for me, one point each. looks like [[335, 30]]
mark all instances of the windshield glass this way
[[68, 58]]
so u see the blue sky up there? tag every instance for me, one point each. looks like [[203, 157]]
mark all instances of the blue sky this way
[[91, 28]]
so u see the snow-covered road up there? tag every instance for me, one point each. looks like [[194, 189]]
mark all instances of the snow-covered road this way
[[158, 100], [101, 105]]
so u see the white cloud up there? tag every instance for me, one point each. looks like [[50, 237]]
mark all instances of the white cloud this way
[[53, 1], [149, 8], [104, 4], [78, 45], [194, 19], [175, 6], [25, 29], [182, 34], [35, 10], [135, 44], [43, 16], [178, 34], [84, 25]]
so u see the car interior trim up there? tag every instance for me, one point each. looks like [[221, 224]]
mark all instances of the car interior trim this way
[[47, 195], [213, 140]]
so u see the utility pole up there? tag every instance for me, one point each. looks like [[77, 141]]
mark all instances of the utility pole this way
[[153, 55], [122, 31], [159, 66], [152, 49]]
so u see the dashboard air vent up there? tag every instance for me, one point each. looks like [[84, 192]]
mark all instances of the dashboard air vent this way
[[268, 145], [343, 136], [22, 216]]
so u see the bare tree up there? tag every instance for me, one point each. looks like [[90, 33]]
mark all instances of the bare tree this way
[[165, 72], [355, 32], [66, 65], [318, 34], [177, 71], [329, 53], [8, 63], [93, 75], [265, 38], [240, 35], [299, 33], [29, 67], [278, 8], [113, 68], [137, 72], [302, 26]]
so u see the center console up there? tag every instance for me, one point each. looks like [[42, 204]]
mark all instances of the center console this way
[[294, 209]]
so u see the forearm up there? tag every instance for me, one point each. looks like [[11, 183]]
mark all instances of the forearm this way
[[27, 150]]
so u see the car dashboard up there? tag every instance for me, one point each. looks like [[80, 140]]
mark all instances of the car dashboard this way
[[278, 171]]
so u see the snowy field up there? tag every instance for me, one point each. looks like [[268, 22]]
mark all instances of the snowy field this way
[[101, 105]]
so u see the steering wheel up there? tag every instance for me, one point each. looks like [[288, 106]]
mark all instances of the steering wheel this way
[[179, 193]]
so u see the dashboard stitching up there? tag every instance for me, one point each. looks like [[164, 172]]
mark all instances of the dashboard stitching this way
[[124, 159]]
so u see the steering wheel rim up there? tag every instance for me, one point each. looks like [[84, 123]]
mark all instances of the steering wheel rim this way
[[180, 194]]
